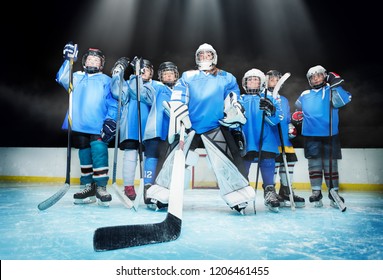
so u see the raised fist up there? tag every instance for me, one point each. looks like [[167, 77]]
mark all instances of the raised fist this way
[[70, 51]]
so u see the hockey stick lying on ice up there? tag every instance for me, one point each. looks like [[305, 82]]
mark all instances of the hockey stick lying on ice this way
[[123, 198], [61, 192], [275, 96], [118, 237]]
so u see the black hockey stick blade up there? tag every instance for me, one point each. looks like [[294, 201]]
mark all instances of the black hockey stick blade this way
[[118, 237], [338, 200], [54, 198]]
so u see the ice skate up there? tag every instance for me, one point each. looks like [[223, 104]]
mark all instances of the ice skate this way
[[271, 200], [130, 192], [151, 203], [332, 201], [86, 196], [284, 192], [103, 196], [316, 198], [240, 208]]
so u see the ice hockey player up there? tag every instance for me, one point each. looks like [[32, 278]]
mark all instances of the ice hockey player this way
[[94, 113], [263, 114], [320, 110], [129, 137], [206, 101], [288, 133], [156, 132]]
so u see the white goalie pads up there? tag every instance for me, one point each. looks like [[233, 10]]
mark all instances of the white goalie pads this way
[[160, 190], [178, 112], [233, 186], [234, 112]]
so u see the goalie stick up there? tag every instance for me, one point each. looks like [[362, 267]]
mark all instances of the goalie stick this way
[[118, 237], [123, 198], [61, 192], [277, 87]]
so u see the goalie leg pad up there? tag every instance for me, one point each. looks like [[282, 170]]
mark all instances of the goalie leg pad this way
[[241, 196]]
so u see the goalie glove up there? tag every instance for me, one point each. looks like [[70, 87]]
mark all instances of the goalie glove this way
[[108, 130], [233, 112], [333, 79], [178, 112]]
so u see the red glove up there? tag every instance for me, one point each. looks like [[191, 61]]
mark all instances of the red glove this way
[[297, 118]]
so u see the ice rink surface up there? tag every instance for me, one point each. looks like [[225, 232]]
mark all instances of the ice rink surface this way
[[210, 229]]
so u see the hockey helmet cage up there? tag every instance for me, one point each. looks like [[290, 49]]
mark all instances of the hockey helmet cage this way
[[203, 64], [168, 66], [254, 73], [93, 52], [318, 69]]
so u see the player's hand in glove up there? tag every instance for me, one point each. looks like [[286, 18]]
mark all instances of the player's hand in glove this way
[[266, 105], [333, 79], [70, 51], [297, 118], [120, 66], [108, 130]]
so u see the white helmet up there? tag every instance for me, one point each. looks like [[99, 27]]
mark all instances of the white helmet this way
[[206, 64], [316, 70], [254, 73]]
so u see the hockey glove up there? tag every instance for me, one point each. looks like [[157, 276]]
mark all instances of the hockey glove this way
[[297, 118], [70, 51], [140, 63], [234, 113], [240, 140], [333, 79], [178, 112], [266, 105], [120, 65], [108, 130], [292, 131]]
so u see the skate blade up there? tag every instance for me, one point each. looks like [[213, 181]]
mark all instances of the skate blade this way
[[318, 204], [88, 200], [333, 204], [103, 203], [300, 204], [273, 209]]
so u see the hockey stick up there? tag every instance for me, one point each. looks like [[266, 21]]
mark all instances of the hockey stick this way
[[140, 191], [61, 192], [123, 198], [277, 87], [118, 237], [333, 193]]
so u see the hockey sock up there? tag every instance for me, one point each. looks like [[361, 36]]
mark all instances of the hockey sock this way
[[267, 167], [335, 174], [150, 170], [315, 173], [99, 151], [282, 173], [86, 166], [129, 166]]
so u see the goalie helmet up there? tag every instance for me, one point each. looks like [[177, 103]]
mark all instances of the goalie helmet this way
[[250, 74], [93, 69], [314, 71], [206, 57], [168, 66]]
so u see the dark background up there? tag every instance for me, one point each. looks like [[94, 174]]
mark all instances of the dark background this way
[[287, 35]]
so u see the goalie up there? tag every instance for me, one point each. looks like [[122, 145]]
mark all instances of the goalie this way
[[205, 101]]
